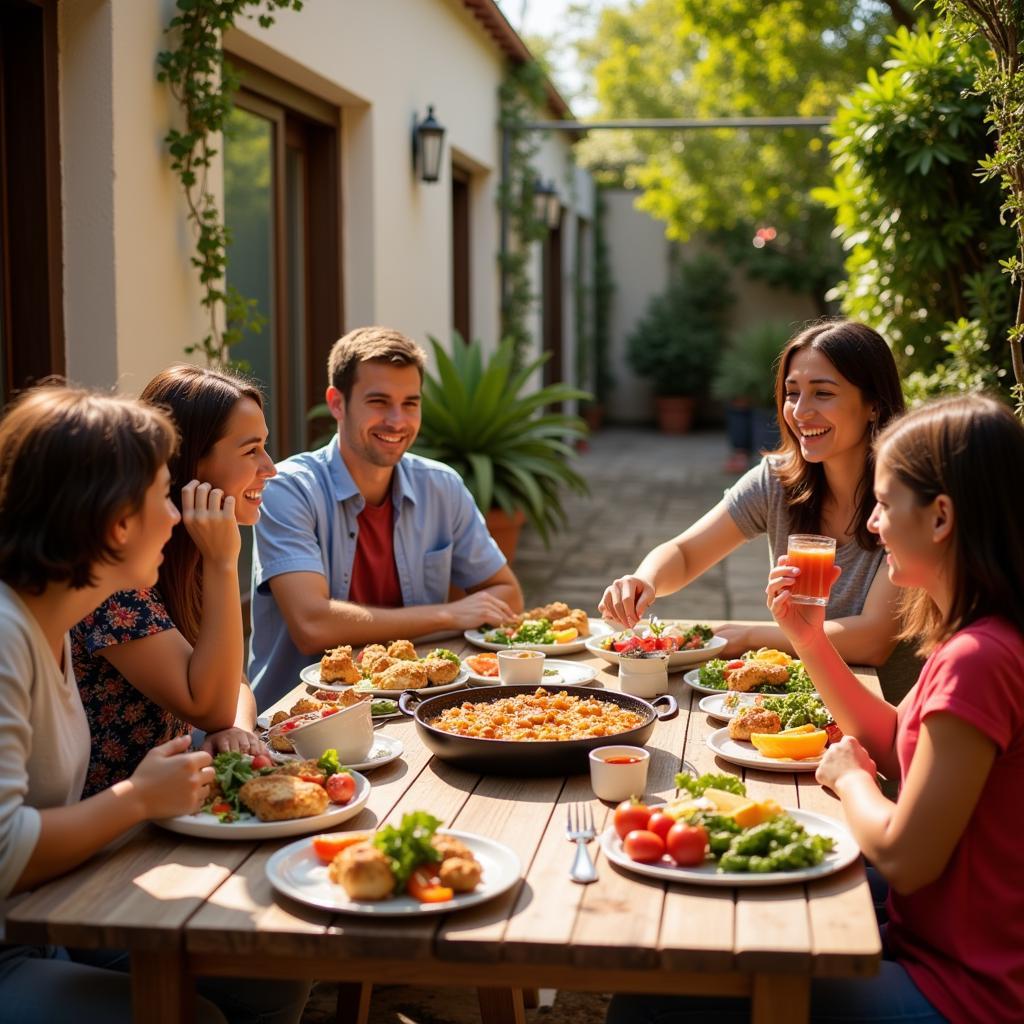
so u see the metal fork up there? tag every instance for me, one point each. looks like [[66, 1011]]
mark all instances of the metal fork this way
[[580, 829]]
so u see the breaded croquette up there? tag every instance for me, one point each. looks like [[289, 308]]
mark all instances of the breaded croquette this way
[[283, 797], [308, 770], [440, 671], [336, 666], [370, 657], [363, 872], [449, 846], [402, 675], [576, 619], [460, 874], [402, 650], [756, 673], [749, 720]]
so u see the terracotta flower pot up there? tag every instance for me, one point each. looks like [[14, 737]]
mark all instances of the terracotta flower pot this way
[[675, 413], [505, 529]]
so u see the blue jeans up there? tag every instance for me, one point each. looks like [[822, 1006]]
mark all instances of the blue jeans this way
[[42, 984]]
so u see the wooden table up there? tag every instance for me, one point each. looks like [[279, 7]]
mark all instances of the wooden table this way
[[185, 907]]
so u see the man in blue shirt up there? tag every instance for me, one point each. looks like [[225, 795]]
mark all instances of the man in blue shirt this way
[[359, 542]]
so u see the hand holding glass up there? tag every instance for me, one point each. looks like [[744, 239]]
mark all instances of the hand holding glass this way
[[814, 556]]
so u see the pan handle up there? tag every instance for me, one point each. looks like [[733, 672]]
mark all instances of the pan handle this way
[[671, 706], [409, 702]]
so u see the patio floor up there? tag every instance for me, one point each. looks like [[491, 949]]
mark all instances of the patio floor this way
[[645, 487]]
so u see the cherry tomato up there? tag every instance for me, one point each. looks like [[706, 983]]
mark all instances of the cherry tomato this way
[[328, 847], [631, 815], [220, 807], [686, 844], [660, 824], [262, 761], [644, 846], [427, 888], [732, 665], [340, 787]]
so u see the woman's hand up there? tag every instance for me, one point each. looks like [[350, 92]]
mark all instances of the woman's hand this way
[[210, 520], [626, 600], [234, 739], [848, 755], [173, 780], [801, 623]]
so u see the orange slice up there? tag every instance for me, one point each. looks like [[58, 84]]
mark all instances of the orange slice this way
[[798, 730], [795, 745]]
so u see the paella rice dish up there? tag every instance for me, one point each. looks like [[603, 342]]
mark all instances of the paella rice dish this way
[[541, 715]]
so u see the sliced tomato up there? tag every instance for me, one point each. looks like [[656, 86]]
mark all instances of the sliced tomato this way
[[329, 846], [427, 888], [220, 807]]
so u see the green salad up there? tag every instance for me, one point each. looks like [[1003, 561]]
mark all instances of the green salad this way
[[532, 631], [796, 709]]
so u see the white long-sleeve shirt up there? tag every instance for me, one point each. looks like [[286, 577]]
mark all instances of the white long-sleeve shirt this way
[[44, 736]]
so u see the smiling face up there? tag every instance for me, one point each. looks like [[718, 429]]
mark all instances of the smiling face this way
[[379, 421], [826, 413], [238, 463]]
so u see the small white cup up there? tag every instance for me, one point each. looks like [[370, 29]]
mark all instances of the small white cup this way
[[644, 677], [517, 668], [615, 782], [349, 731]]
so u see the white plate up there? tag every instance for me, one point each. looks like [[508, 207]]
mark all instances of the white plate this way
[[206, 826], [745, 754], [385, 749], [844, 853], [297, 872], [692, 678], [310, 675], [676, 660], [598, 627], [566, 673], [714, 704]]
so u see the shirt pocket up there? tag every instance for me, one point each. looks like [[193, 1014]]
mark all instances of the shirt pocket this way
[[437, 574]]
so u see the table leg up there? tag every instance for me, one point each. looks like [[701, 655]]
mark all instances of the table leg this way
[[353, 1002], [780, 999], [501, 1005], [162, 990]]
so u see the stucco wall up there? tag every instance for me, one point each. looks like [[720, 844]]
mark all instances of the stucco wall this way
[[131, 296]]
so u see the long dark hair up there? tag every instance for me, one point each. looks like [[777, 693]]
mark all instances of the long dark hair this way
[[970, 448], [200, 402], [861, 355]]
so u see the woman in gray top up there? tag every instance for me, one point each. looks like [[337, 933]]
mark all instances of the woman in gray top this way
[[836, 386]]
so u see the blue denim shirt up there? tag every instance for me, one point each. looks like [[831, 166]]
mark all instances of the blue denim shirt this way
[[309, 524]]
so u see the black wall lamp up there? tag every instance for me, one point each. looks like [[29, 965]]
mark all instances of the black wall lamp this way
[[547, 205], [427, 147]]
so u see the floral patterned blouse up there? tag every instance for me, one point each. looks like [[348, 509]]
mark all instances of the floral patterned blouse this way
[[124, 723]]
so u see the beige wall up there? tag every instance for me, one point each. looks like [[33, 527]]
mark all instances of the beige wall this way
[[131, 295], [639, 258]]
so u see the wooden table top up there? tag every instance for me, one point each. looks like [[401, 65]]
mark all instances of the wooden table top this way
[[156, 891]]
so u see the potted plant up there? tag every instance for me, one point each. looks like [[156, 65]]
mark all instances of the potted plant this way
[[679, 339], [513, 456], [745, 378]]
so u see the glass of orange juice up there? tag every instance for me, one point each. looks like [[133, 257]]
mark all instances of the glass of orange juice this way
[[814, 557]]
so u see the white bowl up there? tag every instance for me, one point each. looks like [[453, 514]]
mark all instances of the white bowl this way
[[615, 782], [349, 731], [520, 668]]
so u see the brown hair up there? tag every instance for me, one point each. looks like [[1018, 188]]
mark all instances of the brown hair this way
[[72, 462], [200, 401], [370, 344], [970, 448], [861, 355]]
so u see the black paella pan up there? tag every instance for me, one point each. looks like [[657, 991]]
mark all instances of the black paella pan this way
[[526, 757]]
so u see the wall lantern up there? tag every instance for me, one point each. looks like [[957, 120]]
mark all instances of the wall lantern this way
[[547, 206], [428, 145]]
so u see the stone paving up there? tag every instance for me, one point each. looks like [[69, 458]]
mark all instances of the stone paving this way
[[645, 488]]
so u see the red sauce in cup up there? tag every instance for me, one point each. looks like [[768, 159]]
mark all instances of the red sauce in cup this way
[[624, 759]]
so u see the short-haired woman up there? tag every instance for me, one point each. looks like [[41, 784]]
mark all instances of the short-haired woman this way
[[836, 386]]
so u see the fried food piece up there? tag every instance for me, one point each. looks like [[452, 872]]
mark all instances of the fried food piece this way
[[440, 671], [371, 657], [449, 846], [307, 770], [402, 675], [459, 874], [402, 650], [337, 666], [279, 742], [363, 872], [304, 705], [576, 619], [756, 673], [283, 797], [279, 717], [345, 699], [750, 720]]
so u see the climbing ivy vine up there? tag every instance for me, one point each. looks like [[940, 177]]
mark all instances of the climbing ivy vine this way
[[204, 84]]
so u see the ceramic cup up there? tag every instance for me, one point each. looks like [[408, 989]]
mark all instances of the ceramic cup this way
[[617, 773], [644, 677], [520, 667], [349, 731]]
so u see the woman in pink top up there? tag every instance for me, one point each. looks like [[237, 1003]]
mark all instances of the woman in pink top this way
[[949, 493]]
